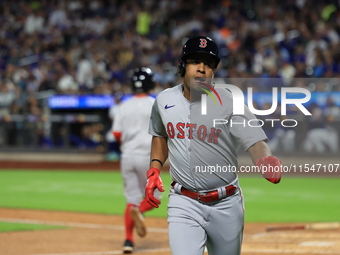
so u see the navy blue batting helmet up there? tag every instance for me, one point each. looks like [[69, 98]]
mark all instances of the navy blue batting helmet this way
[[142, 80], [198, 44]]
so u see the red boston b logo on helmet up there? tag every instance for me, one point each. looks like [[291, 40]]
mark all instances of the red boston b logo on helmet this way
[[203, 43]]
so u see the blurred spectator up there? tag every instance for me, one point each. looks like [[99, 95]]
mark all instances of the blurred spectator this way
[[332, 113], [7, 96], [287, 72], [58, 16], [85, 74], [282, 138], [115, 72], [34, 22], [321, 137], [143, 22], [32, 106], [66, 84], [90, 137], [99, 66]]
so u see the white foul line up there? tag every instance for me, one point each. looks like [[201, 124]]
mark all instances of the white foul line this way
[[75, 224], [260, 251], [109, 252], [270, 251]]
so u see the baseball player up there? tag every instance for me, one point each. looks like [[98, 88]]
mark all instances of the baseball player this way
[[205, 208], [130, 128]]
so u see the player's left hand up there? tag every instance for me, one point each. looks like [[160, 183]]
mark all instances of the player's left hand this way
[[271, 168], [154, 182]]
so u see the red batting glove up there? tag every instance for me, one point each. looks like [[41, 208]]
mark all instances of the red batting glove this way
[[154, 181], [271, 168]]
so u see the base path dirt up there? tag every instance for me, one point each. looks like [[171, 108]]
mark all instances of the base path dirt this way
[[96, 234]]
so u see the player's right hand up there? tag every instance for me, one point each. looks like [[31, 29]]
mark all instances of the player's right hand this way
[[154, 181], [271, 168]]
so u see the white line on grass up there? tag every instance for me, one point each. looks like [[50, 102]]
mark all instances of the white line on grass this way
[[75, 224]]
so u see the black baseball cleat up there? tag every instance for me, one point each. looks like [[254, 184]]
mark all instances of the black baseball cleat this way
[[128, 247]]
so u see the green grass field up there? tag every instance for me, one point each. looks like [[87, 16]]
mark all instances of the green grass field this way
[[293, 200]]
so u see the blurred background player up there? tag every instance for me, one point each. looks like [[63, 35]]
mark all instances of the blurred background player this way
[[130, 128]]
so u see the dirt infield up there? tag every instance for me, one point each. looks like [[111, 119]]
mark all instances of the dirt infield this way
[[97, 234]]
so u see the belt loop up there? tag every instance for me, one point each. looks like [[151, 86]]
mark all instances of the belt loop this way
[[178, 188], [222, 193]]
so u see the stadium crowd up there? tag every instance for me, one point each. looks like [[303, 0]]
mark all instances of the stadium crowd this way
[[90, 46]]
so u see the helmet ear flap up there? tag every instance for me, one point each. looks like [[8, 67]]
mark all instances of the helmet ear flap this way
[[181, 68]]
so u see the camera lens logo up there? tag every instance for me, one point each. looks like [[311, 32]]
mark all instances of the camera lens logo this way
[[208, 89]]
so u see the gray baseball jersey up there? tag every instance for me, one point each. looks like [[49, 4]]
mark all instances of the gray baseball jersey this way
[[132, 121], [195, 143]]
